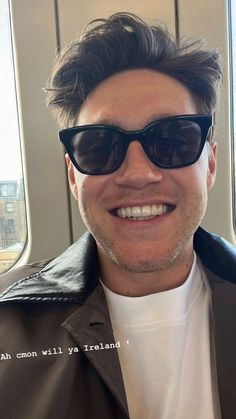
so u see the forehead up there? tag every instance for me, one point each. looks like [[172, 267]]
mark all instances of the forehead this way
[[132, 99]]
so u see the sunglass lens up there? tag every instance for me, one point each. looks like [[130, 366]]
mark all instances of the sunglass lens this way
[[97, 150], [174, 143]]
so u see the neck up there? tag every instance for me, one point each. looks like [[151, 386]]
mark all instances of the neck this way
[[136, 284]]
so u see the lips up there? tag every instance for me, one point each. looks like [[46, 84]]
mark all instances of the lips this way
[[145, 212]]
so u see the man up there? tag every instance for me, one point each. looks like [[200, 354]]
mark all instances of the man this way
[[136, 319]]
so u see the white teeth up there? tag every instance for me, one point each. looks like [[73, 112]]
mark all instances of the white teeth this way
[[146, 211], [123, 213], [142, 213], [136, 211]]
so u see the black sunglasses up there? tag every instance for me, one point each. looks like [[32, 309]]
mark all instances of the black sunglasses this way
[[169, 143]]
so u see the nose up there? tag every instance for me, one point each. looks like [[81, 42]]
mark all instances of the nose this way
[[137, 170]]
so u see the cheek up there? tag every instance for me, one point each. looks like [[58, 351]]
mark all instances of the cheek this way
[[193, 180], [193, 196], [81, 183], [200, 171], [89, 190], [84, 200]]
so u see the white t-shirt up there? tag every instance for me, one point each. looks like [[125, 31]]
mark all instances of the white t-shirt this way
[[166, 351]]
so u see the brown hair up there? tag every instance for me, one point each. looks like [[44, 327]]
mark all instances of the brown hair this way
[[123, 42]]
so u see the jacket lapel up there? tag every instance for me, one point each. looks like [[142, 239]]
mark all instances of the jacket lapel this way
[[90, 325], [224, 330]]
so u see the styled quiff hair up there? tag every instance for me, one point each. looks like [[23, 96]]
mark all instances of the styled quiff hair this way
[[125, 42]]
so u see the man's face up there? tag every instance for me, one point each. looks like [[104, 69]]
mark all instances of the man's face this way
[[131, 100]]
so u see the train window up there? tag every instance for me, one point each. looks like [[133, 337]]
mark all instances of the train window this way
[[13, 226], [233, 92]]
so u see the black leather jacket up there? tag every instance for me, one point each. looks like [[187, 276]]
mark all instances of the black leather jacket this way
[[51, 310]]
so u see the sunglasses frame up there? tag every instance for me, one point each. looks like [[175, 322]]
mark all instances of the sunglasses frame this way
[[205, 122]]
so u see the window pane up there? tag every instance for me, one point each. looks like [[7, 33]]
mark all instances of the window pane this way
[[13, 231], [233, 56]]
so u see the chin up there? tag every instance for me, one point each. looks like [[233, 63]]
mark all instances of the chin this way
[[144, 264]]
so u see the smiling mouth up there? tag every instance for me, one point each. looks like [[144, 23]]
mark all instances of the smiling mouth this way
[[146, 212]]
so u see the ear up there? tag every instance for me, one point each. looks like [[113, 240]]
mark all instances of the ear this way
[[212, 164], [71, 177]]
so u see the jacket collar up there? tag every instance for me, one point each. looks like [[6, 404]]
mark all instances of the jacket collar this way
[[218, 255], [71, 277]]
